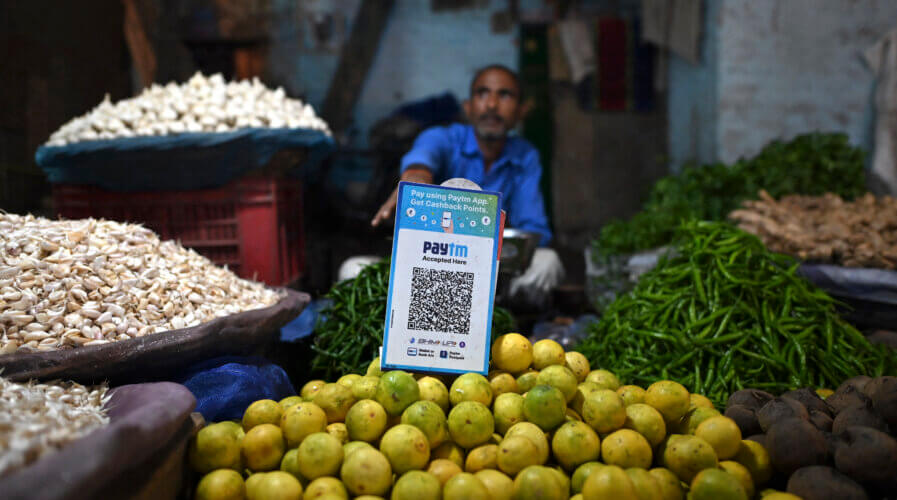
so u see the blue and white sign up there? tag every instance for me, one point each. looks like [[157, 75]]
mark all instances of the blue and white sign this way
[[442, 279]]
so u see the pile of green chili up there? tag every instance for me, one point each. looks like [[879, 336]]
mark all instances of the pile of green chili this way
[[350, 331], [724, 314]]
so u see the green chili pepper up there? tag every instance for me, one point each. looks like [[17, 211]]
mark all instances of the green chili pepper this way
[[724, 314]]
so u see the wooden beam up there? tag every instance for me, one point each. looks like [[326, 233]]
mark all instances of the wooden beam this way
[[141, 49], [356, 58]]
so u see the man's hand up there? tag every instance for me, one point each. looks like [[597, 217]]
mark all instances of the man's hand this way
[[387, 209], [414, 173]]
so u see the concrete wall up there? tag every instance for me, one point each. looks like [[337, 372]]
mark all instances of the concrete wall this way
[[422, 53], [425, 52], [792, 67], [775, 69], [295, 60]]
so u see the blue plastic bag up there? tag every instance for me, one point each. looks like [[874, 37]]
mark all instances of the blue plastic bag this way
[[224, 387], [304, 324]]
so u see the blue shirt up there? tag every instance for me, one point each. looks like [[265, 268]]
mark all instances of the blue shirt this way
[[453, 151]]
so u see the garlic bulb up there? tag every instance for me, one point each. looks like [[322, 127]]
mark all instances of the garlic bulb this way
[[202, 104]]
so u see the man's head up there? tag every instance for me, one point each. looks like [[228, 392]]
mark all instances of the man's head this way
[[494, 105]]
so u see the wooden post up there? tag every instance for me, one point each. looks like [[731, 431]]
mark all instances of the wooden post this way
[[139, 45], [356, 58]]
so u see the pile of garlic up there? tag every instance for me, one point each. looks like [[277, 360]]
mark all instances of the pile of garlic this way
[[200, 105], [40, 418], [68, 283]]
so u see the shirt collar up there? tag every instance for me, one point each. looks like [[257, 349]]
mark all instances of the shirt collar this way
[[472, 148], [470, 142]]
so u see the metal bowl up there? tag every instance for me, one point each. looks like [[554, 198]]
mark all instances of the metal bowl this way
[[517, 250]]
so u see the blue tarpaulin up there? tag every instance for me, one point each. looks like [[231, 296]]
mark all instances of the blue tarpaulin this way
[[196, 160], [869, 294], [872, 285]]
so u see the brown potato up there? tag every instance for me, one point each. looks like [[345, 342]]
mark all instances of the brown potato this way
[[818, 482], [793, 443], [809, 399], [884, 399], [758, 438], [868, 456], [873, 385], [750, 398], [821, 420], [846, 396], [859, 415], [858, 383], [745, 418], [779, 409]]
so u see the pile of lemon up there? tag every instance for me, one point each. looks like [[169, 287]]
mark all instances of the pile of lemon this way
[[542, 425]]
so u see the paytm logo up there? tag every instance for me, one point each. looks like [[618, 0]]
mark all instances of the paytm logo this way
[[449, 249]]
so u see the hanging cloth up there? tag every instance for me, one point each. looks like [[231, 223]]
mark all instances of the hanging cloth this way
[[674, 25], [882, 60], [577, 44]]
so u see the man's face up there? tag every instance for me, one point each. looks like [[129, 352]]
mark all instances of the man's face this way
[[493, 107]]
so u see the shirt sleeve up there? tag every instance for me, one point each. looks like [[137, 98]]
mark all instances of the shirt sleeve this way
[[526, 209], [432, 148]]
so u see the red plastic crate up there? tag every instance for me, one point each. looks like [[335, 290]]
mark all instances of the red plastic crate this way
[[252, 225]]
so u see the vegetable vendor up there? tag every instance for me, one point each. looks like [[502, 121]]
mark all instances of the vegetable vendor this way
[[488, 152]]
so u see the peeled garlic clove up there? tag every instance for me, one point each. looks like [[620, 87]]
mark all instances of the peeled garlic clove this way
[[168, 114], [202, 103]]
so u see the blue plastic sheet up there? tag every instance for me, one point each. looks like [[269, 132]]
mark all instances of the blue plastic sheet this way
[[224, 387], [304, 324], [197, 160], [872, 285], [870, 295], [566, 335]]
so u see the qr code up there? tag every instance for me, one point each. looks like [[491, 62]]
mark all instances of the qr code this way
[[440, 301]]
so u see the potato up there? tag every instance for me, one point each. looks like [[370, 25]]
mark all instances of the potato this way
[[818, 482], [751, 398], [793, 443], [821, 420], [861, 416], [758, 438], [857, 383], [846, 396], [779, 409], [809, 399], [884, 399], [873, 385], [868, 456], [746, 419], [831, 442]]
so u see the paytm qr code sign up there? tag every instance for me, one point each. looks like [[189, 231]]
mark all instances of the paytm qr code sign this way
[[442, 279]]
